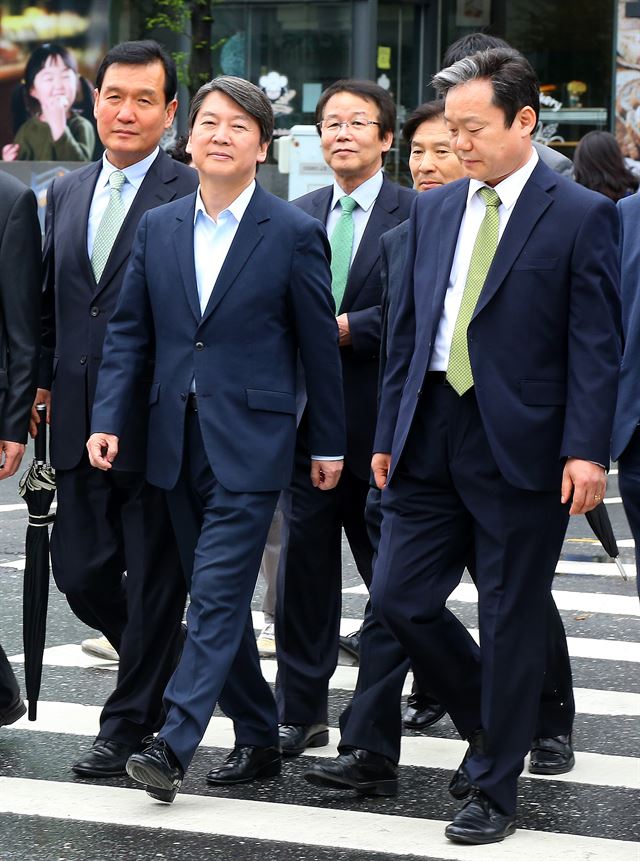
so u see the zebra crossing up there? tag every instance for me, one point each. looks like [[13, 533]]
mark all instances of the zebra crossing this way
[[590, 814]]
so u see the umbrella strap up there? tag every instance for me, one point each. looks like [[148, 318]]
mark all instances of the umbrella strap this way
[[41, 519]]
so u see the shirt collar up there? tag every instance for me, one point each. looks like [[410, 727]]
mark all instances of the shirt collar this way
[[236, 208], [364, 195], [135, 173], [510, 189]]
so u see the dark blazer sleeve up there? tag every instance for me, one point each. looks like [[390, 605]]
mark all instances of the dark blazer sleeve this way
[[128, 345], [399, 343], [594, 335], [20, 285], [317, 334]]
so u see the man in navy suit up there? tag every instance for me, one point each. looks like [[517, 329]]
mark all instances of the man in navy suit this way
[[356, 121], [108, 524], [625, 442], [495, 417], [224, 290]]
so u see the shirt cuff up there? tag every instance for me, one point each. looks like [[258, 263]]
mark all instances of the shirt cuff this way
[[333, 457]]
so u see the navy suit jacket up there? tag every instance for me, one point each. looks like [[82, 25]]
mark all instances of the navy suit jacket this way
[[544, 338], [361, 301], [271, 299], [76, 310], [628, 405]]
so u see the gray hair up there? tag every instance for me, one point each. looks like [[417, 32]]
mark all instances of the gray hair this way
[[515, 85], [250, 98]]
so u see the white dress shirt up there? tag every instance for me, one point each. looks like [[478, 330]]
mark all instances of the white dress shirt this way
[[365, 196], [212, 240], [134, 175], [508, 191]]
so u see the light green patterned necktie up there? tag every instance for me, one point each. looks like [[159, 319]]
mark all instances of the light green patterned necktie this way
[[109, 226], [459, 373], [341, 248]]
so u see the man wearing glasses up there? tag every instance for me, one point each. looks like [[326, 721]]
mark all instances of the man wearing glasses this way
[[355, 120]]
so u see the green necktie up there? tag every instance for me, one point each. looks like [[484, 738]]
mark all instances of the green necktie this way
[[459, 373], [341, 247], [109, 226]]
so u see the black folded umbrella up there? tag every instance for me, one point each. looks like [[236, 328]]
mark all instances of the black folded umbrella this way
[[37, 487], [598, 519]]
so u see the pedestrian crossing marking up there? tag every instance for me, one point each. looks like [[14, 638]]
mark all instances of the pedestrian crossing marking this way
[[355, 830], [593, 769]]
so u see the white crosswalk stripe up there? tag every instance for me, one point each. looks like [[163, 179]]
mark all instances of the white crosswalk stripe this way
[[606, 776]]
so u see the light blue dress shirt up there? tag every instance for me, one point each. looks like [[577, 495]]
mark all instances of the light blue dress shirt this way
[[134, 174]]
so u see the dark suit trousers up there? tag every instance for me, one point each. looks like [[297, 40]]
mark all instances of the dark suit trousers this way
[[447, 502], [310, 586], [629, 483], [221, 536], [106, 523], [9, 689], [372, 720]]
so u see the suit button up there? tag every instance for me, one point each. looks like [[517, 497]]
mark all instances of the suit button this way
[[418, 393], [183, 396], [199, 345], [83, 360], [94, 311]]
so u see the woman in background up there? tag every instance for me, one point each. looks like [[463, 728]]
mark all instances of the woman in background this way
[[599, 165], [54, 132]]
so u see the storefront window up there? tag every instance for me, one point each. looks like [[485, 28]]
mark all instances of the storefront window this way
[[291, 50], [571, 49]]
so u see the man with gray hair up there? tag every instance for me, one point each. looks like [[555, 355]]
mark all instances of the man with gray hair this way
[[494, 422], [224, 289]]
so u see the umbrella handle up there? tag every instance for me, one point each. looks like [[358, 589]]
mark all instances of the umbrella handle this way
[[40, 442]]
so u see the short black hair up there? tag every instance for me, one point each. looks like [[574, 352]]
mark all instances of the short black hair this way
[[141, 53], [598, 164], [515, 85], [36, 63], [365, 90], [471, 44], [250, 98], [422, 114]]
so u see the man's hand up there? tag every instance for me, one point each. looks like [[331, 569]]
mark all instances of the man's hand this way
[[587, 481], [325, 474], [343, 330], [380, 465], [10, 152], [43, 396], [10, 457], [103, 449]]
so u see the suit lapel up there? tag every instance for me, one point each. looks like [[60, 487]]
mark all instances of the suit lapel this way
[[534, 200], [248, 235], [82, 198], [380, 221], [183, 243], [154, 190], [450, 214]]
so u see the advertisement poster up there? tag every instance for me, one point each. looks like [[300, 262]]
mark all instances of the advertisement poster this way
[[627, 128]]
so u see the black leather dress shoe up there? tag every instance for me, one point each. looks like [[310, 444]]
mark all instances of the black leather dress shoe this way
[[460, 786], [551, 755], [480, 821], [158, 768], [246, 763], [296, 738], [13, 712], [422, 711], [105, 758], [368, 773], [351, 643]]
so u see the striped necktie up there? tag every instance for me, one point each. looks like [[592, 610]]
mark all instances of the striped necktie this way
[[459, 373], [109, 226], [341, 248]]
